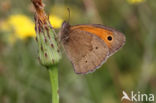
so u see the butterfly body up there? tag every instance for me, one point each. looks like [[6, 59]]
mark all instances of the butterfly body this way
[[89, 46]]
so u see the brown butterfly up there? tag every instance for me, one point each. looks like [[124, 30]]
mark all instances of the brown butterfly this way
[[89, 46]]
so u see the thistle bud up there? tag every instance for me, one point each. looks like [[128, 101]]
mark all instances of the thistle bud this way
[[49, 53]]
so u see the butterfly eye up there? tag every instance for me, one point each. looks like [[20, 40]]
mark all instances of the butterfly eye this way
[[109, 38]]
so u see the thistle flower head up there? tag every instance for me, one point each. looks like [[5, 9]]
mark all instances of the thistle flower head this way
[[49, 53]]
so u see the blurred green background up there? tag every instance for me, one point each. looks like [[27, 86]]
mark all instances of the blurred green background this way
[[133, 68]]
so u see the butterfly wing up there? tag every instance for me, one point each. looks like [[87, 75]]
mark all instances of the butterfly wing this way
[[118, 38], [86, 51], [113, 38]]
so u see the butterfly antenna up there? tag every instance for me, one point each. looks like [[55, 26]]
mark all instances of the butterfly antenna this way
[[68, 15]]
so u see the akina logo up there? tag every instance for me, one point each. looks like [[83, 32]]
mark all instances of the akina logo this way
[[138, 97]]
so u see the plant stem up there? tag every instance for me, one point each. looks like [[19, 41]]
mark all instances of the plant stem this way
[[53, 73]]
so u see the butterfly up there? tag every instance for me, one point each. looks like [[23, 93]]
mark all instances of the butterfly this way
[[89, 46]]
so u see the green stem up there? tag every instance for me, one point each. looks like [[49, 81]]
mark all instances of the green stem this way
[[53, 73]]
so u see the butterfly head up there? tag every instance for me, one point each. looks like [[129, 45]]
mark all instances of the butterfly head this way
[[64, 31]]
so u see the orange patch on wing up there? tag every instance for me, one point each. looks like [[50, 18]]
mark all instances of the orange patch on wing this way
[[100, 32]]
